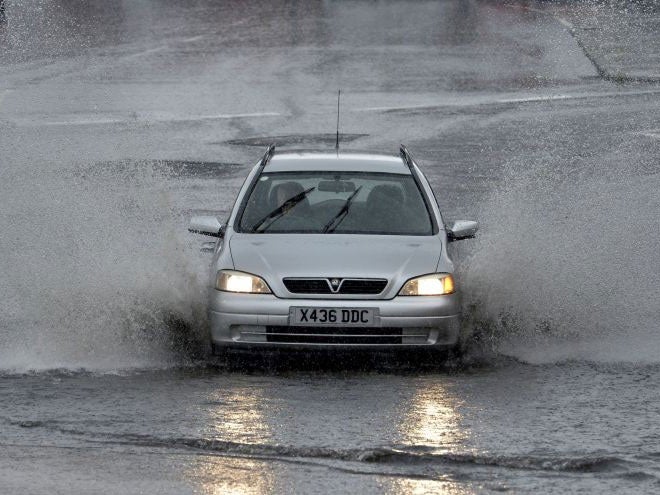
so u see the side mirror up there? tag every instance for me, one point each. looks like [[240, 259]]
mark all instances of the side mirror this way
[[207, 226], [462, 229]]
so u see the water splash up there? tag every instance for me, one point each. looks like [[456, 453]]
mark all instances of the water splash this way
[[566, 265], [96, 272]]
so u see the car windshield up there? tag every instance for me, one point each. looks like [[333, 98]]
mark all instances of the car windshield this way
[[336, 202]]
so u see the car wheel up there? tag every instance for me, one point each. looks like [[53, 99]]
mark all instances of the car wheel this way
[[219, 351], [460, 348]]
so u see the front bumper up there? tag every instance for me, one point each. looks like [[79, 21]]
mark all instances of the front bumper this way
[[253, 320]]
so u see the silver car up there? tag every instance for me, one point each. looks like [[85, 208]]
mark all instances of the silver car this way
[[334, 249]]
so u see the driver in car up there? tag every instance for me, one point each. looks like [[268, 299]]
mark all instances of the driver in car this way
[[284, 192]]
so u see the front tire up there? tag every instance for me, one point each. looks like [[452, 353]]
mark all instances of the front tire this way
[[219, 351]]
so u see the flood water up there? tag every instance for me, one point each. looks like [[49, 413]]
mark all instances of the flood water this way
[[117, 123]]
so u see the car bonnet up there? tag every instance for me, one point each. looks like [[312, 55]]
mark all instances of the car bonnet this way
[[277, 256]]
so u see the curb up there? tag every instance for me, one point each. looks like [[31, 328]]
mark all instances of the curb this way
[[603, 73]]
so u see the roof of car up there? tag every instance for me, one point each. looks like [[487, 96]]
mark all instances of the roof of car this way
[[342, 161]]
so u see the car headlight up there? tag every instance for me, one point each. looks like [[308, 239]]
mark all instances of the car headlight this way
[[233, 281], [436, 284]]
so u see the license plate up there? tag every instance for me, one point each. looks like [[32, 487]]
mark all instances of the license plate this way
[[344, 317]]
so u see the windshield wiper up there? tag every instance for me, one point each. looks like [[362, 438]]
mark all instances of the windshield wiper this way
[[281, 210], [329, 227]]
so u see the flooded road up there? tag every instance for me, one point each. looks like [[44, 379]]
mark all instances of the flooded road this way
[[117, 123], [504, 427]]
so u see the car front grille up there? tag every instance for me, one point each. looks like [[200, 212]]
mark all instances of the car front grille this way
[[367, 286], [333, 335], [307, 285]]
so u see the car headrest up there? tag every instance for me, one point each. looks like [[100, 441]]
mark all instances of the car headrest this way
[[289, 189], [384, 195]]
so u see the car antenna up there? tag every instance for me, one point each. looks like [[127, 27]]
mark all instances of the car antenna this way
[[337, 141]]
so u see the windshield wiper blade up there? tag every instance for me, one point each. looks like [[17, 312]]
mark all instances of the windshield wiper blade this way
[[329, 227], [281, 210]]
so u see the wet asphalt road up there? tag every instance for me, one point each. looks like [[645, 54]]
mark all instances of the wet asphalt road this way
[[117, 122]]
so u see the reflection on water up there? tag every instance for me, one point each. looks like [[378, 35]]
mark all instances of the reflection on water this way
[[432, 419], [239, 416], [421, 486], [232, 476], [426, 419], [235, 415]]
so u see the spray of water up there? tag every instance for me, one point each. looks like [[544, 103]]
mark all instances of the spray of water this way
[[566, 265], [96, 272]]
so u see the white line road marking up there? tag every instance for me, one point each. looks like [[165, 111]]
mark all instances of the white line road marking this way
[[540, 98], [145, 52], [193, 38], [234, 116], [163, 47], [459, 101], [653, 133], [75, 122]]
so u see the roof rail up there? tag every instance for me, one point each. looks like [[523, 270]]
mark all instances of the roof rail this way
[[267, 156], [407, 158]]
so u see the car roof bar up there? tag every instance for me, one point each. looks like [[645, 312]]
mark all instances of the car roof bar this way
[[262, 163], [407, 158], [267, 156]]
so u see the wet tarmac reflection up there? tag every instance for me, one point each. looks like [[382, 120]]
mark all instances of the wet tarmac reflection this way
[[432, 424], [235, 417], [239, 418], [432, 419], [268, 433], [232, 476], [408, 486]]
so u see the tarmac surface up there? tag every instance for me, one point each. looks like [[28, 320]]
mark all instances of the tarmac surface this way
[[118, 121]]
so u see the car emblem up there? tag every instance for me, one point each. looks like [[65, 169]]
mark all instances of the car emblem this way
[[335, 282]]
